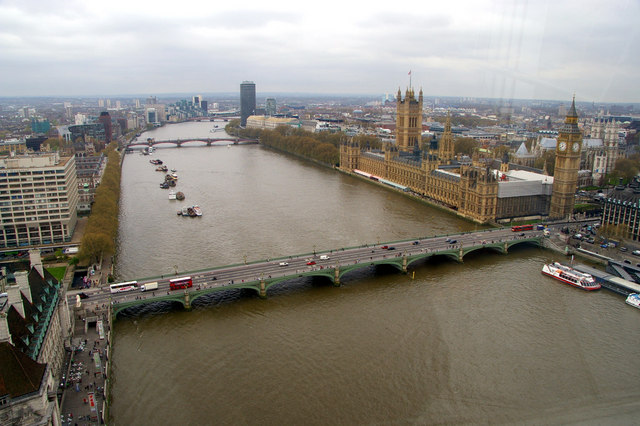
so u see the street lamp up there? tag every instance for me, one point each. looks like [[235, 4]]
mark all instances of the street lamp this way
[[314, 249]]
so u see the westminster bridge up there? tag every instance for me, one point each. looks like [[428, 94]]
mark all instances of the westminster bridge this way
[[260, 276]]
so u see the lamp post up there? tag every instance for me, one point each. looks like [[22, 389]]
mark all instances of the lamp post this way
[[314, 249]]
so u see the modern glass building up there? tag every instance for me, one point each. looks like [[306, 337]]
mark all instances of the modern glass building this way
[[247, 101]]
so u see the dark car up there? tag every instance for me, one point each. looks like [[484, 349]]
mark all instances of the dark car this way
[[453, 241], [415, 243], [83, 295], [391, 248]]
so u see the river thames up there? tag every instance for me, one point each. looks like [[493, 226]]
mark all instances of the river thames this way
[[490, 340]]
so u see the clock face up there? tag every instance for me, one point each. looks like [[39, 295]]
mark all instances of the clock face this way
[[576, 146], [562, 146]]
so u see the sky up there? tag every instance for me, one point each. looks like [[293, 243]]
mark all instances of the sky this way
[[508, 49]]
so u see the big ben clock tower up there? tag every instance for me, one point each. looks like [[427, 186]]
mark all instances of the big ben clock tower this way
[[565, 177]]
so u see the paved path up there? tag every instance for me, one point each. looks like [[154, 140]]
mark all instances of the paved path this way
[[82, 376]]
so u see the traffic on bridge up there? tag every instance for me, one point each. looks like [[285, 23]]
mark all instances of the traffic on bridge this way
[[260, 275]]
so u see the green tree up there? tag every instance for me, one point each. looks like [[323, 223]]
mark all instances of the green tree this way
[[548, 158], [465, 146]]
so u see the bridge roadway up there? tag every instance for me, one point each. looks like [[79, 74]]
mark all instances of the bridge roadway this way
[[261, 275], [179, 142]]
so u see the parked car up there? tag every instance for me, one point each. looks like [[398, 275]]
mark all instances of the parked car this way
[[636, 252], [623, 249]]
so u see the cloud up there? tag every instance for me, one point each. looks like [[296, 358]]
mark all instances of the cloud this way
[[500, 48]]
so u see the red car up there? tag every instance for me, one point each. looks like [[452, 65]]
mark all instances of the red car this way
[[311, 262], [384, 247]]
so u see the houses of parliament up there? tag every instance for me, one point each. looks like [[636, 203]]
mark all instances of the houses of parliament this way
[[485, 189]]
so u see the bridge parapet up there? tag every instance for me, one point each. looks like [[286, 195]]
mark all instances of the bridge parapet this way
[[334, 273]]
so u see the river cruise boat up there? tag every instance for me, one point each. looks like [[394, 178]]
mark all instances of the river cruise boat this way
[[570, 276], [172, 195], [197, 210], [633, 299]]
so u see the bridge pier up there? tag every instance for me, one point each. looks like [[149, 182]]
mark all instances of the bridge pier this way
[[336, 276], [506, 248], [263, 289], [460, 254], [187, 301], [404, 263]]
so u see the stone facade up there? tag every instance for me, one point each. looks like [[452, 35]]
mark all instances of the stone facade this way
[[568, 152], [476, 190]]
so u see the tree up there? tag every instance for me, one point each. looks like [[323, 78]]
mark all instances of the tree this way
[[465, 146], [548, 158], [627, 168]]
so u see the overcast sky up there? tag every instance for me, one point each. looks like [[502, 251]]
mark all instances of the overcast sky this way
[[547, 49]]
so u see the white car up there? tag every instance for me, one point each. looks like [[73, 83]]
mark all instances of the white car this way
[[283, 263]]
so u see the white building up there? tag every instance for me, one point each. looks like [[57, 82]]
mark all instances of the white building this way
[[38, 199]]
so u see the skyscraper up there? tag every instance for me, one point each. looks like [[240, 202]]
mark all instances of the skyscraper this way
[[270, 107], [247, 101]]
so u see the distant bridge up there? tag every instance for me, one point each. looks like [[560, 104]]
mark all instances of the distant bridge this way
[[208, 141]]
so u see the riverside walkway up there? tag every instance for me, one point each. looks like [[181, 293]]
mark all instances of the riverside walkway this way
[[259, 276]]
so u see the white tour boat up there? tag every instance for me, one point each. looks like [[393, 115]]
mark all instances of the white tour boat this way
[[633, 299], [570, 276]]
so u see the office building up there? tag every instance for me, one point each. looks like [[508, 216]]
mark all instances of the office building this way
[[247, 101], [38, 199], [270, 107]]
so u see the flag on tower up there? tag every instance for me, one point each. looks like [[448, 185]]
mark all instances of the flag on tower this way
[[409, 72]]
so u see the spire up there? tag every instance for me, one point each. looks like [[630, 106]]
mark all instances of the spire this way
[[572, 110]]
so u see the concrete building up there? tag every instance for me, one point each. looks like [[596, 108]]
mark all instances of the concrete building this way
[[270, 123], [247, 101], [270, 107], [89, 170], [38, 199], [621, 210]]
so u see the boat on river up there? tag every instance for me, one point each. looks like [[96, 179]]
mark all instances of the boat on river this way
[[633, 299], [161, 168], [197, 210], [172, 195], [570, 276], [179, 196]]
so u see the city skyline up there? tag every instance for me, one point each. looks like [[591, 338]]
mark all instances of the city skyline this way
[[501, 49]]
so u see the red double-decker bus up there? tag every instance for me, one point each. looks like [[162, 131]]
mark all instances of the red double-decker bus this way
[[180, 283], [522, 228]]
